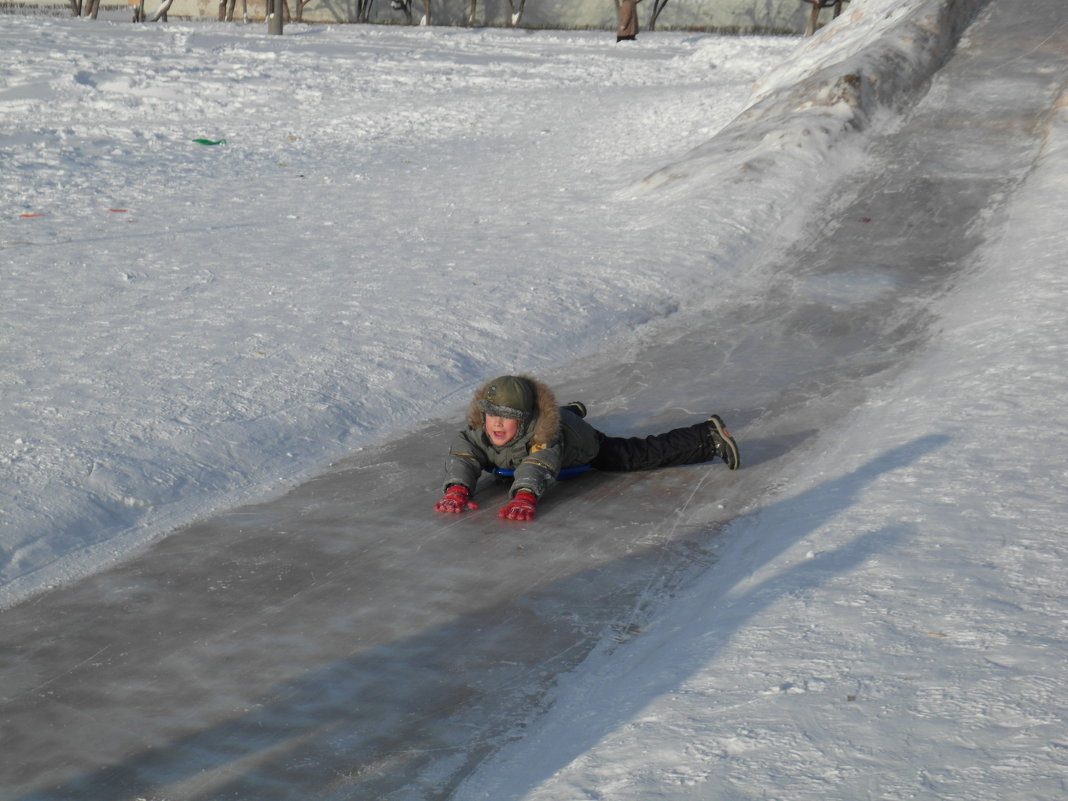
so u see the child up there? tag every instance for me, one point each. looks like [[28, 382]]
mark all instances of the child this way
[[514, 423]]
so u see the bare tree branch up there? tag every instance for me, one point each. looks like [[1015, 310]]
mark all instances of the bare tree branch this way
[[658, 6]]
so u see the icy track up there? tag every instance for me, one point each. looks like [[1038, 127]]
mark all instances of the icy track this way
[[873, 608]]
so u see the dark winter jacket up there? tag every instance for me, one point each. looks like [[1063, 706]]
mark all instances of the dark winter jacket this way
[[553, 439]]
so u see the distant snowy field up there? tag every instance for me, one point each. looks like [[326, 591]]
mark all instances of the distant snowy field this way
[[395, 213]]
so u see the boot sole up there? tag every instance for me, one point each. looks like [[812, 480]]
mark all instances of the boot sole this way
[[733, 459]]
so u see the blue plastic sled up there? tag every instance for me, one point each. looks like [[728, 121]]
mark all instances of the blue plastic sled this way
[[565, 472]]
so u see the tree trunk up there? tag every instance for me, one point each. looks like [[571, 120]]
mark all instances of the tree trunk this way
[[658, 6], [404, 6], [161, 12], [814, 14], [517, 13], [813, 17]]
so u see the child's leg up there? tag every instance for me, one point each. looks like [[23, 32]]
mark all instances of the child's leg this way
[[688, 445]]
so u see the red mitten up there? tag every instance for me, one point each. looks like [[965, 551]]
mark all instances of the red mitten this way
[[457, 499], [521, 507]]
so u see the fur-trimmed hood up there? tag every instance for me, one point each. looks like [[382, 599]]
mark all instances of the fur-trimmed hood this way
[[544, 426]]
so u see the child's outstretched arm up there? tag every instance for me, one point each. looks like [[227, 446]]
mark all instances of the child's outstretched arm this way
[[534, 475], [463, 466], [537, 471]]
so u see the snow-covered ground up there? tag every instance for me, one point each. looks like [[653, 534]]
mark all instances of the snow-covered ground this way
[[395, 214]]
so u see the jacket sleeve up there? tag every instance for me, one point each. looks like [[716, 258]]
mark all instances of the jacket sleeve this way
[[538, 470], [464, 463]]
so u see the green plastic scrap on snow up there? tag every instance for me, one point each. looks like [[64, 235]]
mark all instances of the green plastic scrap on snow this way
[[210, 141]]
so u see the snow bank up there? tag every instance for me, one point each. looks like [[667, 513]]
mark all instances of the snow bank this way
[[759, 178], [800, 127]]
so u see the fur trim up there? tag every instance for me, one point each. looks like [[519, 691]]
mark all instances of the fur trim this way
[[546, 423]]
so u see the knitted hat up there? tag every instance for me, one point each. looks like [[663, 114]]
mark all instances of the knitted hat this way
[[508, 396]]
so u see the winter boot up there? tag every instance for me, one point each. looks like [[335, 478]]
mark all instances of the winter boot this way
[[722, 442], [578, 407]]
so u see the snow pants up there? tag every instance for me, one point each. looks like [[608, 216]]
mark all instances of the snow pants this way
[[689, 445]]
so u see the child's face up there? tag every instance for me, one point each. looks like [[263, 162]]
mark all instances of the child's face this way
[[501, 430]]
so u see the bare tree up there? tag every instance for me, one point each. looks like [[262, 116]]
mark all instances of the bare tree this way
[[75, 7], [814, 14], [266, 9], [405, 6], [226, 10], [517, 13], [658, 6], [363, 10], [161, 12]]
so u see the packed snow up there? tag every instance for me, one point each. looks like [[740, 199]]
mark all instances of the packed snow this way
[[390, 215]]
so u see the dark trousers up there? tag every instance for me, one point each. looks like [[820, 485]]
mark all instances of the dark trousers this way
[[688, 445]]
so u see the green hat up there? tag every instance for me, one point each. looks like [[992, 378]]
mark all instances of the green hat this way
[[508, 396]]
